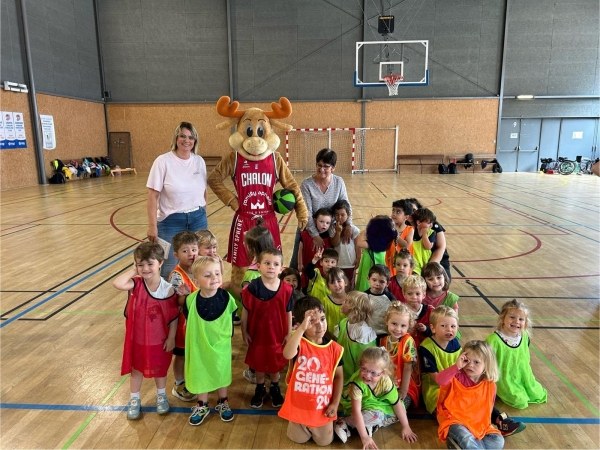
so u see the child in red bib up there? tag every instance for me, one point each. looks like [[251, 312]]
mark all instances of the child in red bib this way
[[267, 324], [315, 377], [151, 323]]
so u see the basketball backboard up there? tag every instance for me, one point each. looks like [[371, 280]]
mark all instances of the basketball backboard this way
[[375, 59]]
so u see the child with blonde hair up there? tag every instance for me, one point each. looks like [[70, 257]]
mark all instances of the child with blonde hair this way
[[413, 288], [208, 339], [438, 284], [438, 352], [150, 325], [400, 345], [517, 386], [353, 332], [466, 399], [371, 400], [403, 266]]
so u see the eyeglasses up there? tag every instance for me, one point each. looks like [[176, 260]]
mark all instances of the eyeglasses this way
[[370, 372], [185, 136], [324, 166]]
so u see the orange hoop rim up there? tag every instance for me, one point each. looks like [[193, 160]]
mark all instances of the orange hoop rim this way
[[393, 79]]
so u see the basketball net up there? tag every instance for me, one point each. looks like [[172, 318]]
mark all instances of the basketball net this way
[[392, 82]]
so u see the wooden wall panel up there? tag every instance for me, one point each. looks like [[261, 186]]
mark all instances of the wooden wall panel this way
[[426, 126], [152, 125], [18, 167], [80, 131], [79, 126], [435, 126]]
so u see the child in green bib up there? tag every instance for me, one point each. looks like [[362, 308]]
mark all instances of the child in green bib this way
[[370, 400]]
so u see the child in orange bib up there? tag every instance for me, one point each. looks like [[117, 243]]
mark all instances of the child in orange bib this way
[[466, 398]]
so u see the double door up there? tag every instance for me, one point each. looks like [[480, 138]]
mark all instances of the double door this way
[[522, 142]]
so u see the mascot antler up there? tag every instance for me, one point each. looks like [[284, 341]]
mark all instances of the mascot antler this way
[[226, 110], [280, 112]]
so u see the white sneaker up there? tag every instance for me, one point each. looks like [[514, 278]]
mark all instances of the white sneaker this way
[[249, 375], [341, 430]]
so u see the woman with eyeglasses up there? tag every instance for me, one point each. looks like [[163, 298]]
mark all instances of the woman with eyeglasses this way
[[177, 191], [322, 190]]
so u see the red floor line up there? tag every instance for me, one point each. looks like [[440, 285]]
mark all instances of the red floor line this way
[[538, 245], [526, 278], [286, 221], [112, 222], [65, 212]]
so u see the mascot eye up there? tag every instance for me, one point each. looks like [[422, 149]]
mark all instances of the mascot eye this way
[[260, 131], [249, 131]]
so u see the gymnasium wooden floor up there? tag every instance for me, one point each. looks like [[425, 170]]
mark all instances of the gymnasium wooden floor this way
[[530, 236]]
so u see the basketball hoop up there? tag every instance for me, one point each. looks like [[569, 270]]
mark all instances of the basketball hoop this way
[[392, 82]]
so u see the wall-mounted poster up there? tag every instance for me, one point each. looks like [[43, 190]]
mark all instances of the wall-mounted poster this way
[[2, 134], [9, 130], [20, 139], [48, 135]]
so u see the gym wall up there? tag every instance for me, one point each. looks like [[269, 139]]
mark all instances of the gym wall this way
[[80, 131]]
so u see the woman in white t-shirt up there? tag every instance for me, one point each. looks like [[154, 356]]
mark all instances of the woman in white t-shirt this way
[[177, 191]]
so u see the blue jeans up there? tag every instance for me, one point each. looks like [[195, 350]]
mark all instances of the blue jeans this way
[[175, 223], [463, 437]]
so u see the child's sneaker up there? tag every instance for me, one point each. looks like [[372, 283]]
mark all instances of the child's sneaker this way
[[162, 404], [341, 430], [249, 375], [508, 426], [371, 429], [237, 320], [276, 397], [182, 393], [259, 395], [133, 409], [224, 410], [199, 413]]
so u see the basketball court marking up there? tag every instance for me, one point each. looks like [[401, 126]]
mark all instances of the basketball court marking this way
[[31, 308], [539, 353]]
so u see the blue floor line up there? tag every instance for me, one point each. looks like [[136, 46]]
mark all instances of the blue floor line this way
[[57, 293], [271, 412]]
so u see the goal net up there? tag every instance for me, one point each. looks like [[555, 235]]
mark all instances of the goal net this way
[[352, 145]]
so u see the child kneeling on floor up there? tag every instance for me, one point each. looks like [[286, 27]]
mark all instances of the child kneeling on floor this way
[[311, 406]]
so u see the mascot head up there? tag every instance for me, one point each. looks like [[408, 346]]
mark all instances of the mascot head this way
[[254, 137], [380, 233]]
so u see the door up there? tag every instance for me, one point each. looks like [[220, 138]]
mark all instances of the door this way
[[529, 145], [508, 143], [577, 138], [549, 138], [120, 149]]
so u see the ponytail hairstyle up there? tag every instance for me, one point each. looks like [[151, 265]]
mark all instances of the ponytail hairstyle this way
[[257, 239], [400, 308], [405, 254], [515, 304]]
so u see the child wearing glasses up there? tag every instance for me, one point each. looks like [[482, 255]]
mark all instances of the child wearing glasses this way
[[371, 400]]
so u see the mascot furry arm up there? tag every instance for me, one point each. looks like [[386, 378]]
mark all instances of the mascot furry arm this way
[[255, 140]]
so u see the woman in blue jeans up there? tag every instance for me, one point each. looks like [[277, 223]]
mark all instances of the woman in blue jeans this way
[[177, 191]]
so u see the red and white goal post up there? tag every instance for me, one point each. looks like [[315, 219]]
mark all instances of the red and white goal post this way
[[350, 144]]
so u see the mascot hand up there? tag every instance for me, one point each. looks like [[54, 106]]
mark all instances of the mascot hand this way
[[234, 204], [302, 224]]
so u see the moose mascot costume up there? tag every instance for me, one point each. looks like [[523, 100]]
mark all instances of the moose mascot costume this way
[[255, 167]]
